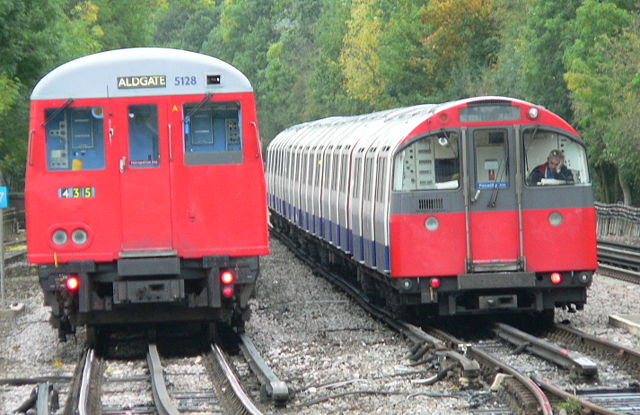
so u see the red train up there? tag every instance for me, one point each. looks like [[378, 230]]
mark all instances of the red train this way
[[145, 191], [482, 205]]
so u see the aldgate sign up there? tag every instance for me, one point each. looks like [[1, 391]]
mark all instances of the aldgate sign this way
[[142, 81]]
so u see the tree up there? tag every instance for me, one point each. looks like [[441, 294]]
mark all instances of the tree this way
[[598, 27], [26, 42], [185, 24], [126, 23], [461, 41], [326, 83], [359, 57]]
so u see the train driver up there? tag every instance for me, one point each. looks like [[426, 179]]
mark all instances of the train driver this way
[[554, 168]]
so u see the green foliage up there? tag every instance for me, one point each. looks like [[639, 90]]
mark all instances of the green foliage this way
[[126, 23], [185, 24], [597, 76], [327, 96], [359, 58]]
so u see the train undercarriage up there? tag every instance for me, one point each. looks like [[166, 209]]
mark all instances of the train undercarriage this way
[[420, 298], [149, 290]]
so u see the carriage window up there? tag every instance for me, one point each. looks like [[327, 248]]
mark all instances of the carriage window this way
[[429, 163], [552, 158], [75, 138], [212, 133], [143, 136], [492, 169]]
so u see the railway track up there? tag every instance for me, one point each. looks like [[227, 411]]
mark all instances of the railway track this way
[[166, 386], [619, 261], [523, 391]]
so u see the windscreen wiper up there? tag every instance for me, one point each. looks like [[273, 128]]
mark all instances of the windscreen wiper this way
[[58, 111], [199, 105]]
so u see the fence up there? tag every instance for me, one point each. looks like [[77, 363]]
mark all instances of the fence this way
[[618, 223], [13, 223]]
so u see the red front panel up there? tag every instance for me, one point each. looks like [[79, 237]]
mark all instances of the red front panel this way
[[144, 176], [418, 252], [220, 209], [494, 236], [196, 210], [47, 210], [570, 246]]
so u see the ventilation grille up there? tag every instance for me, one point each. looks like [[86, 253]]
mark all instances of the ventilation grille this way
[[430, 204]]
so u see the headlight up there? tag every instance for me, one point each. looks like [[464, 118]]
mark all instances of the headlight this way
[[555, 219], [431, 223], [59, 237], [79, 236]]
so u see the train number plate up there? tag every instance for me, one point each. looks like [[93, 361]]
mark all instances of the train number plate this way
[[76, 192]]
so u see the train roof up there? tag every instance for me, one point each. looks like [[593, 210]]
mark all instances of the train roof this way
[[395, 126], [140, 72]]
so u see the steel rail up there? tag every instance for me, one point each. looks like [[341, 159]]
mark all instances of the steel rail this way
[[495, 366], [619, 261], [543, 404], [44, 402], [83, 397], [241, 398], [163, 403], [626, 354], [564, 395], [274, 387], [566, 358]]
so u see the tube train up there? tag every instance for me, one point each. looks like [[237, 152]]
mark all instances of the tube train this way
[[145, 189], [440, 209]]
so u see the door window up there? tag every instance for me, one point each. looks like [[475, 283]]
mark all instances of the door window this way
[[144, 150], [492, 168]]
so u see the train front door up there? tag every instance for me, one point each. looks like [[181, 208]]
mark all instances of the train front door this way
[[493, 237], [144, 178]]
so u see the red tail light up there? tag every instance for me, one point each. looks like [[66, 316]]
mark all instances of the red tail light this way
[[227, 277], [555, 277], [434, 282], [227, 292], [72, 283]]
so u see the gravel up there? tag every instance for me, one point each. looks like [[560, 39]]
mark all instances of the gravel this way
[[334, 357]]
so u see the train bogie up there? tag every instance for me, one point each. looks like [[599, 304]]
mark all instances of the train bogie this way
[[443, 205]]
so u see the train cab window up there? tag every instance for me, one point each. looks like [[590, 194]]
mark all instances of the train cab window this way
[[552, 159], [492, 169], [144, 150], [212, 133], [428, 163], [75, 138]]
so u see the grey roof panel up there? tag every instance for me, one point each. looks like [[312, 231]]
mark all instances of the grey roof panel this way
[[97, 75]]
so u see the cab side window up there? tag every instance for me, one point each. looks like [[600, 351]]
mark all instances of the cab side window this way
[[428, 163], [212, 133], [75, 138], [553, 159]]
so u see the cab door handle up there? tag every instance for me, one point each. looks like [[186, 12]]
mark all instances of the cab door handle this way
[[123, 163]]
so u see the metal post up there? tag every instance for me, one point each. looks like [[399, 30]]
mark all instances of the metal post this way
[[2, 303], [4, 202]]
